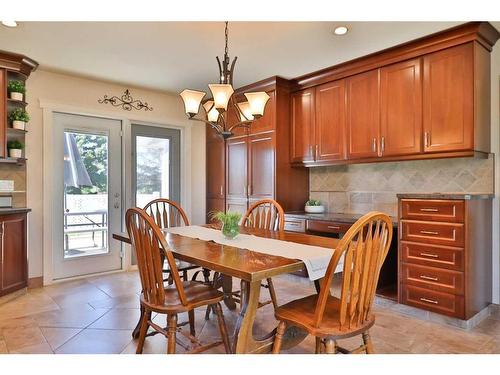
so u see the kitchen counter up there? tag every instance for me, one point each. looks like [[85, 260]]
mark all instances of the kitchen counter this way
[[14, 210], [331, 216], [466, 196]]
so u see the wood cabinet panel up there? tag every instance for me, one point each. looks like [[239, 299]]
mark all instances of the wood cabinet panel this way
[[214, 205], [432, 255], [449, 234], [236, 168], [14, 260], [261, 169], [295, 225], [433, 278], [303, 122], [266, 122], [330, 124], [433, 210], [215, 162], [3, 113], [237, 205], [448, 92], [327, 226], [363, 118], [401, 108]]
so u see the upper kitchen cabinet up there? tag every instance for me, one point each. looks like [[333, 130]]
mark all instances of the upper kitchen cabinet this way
[[401, 108], [363, 115], [267, 122], [303, 118]]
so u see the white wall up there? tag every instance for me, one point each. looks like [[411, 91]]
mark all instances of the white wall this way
[[79, 95]]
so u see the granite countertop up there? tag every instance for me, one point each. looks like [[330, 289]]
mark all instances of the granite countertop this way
[[14, 210], [331, 216], [466, 196]]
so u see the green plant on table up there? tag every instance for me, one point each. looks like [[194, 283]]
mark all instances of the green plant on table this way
[[19, 114], [313, 202], [15, 144], [230, 223], [16, 86]]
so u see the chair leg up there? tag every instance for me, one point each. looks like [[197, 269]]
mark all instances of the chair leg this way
[[319, 346], [171, 333], [192, 330], [330, 346], [367, 340], [279, 337], [143, 331], [272, 293], [207, 312], [222, 327], [185, 275]]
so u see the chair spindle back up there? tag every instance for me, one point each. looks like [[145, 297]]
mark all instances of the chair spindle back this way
[[265, 214], [166, 213]]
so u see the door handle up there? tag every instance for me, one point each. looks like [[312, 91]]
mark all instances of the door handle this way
[[426, 139], [117, 205], [317, 152], [382, 146], [374, 145], [221, 191], [311, 151], [249, 189]]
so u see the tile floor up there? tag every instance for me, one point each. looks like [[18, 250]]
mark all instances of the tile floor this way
[[97, 315]]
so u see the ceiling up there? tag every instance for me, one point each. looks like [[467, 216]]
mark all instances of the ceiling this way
[[171, 56]]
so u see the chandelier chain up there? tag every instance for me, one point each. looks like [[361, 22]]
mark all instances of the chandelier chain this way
[[226, 36]]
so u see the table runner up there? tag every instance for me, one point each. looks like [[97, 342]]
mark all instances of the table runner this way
[[315, 258]]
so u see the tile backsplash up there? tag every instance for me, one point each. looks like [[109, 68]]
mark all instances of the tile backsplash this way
[[359, 188]]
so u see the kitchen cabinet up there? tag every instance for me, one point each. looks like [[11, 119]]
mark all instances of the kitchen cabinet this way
[[13, 253], [261, 166], [303, 119], [237, 168]]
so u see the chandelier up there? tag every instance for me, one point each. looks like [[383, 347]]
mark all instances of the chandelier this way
[[222, 97]]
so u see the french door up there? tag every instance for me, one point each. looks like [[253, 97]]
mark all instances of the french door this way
[[87, 195]]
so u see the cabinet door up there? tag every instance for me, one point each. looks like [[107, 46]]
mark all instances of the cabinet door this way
[[214, 205], [14, 274], [268, 121], [401, 108], [3, 114], [363, 115], [330, 121], [237, 205], [215, 168], [302, 107], [261, 166], [448, 96], [236, 168]]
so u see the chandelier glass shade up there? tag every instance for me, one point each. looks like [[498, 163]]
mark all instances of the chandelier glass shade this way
[[216, 108]]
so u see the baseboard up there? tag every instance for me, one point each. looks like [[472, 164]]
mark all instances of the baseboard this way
[[35, 282]]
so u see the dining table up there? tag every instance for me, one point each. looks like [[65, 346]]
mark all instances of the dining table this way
[[251, 267]]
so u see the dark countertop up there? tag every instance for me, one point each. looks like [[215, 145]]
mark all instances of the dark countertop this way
[[14, 210], [466, 196], [331, 216]]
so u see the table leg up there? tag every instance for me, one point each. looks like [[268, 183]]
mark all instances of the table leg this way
[[227, 288], [243, 341]]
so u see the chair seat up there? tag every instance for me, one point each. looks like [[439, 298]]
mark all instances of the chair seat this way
[[197, 294], [181, 266], [300, 313]]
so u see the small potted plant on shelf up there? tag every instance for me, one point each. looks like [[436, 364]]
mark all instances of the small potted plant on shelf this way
[[19, 117], [230, 223], [15, 148], [314, 206], [16, 90]]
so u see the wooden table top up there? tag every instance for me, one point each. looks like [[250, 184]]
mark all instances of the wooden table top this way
[[241, 263]]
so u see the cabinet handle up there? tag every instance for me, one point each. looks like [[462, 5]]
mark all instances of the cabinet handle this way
[[429, 300], [317, 152], [1, 234], [292, 224], [429, 209], [311, 151], [374, 145], [245, 191], [426, 139], [221, 190], [429, 232], [429, 255], [382, 146], [249, 189], [429, 278], [333, 227]]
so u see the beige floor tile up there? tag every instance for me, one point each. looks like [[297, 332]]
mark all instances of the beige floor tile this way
[[30, 303], [58, 336], [127, 301], [20, 337], [43, 348], [118, 319], [97, 341], [80, 296], [3, 346], [74, 317]]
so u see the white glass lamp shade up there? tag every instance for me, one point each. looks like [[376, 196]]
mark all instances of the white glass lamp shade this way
[[246, 111], [192, 100], [221, 94], [212, 113], [257, 101]]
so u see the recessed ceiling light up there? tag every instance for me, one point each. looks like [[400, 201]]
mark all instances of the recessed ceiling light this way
[[340, 30], [9, 23]]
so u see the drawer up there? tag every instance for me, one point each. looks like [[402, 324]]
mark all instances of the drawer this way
[[433, 210], [433, 278], [295, 225], [442, 303], [449, 234], [327, 226], [432, 255]]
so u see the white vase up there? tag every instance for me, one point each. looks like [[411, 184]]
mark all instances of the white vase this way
[[21, 125], [17, 96], [15, 153], [315, 209]]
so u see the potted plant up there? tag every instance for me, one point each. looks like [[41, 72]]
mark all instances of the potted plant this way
[[230, 223], [15, 148], [19, 117], [16, 90], [314, 206]]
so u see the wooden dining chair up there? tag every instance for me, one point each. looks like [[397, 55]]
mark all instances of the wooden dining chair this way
[[182, 296], [168, 214], [364, 248]]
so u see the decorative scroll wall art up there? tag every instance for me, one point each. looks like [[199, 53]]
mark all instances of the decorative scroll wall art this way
[[126, 101]]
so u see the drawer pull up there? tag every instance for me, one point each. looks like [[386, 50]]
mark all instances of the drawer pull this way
[[429, 209], [292, 224], [428, 278], [429, 232], [429, 301], [333, 227], [429, 255]]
